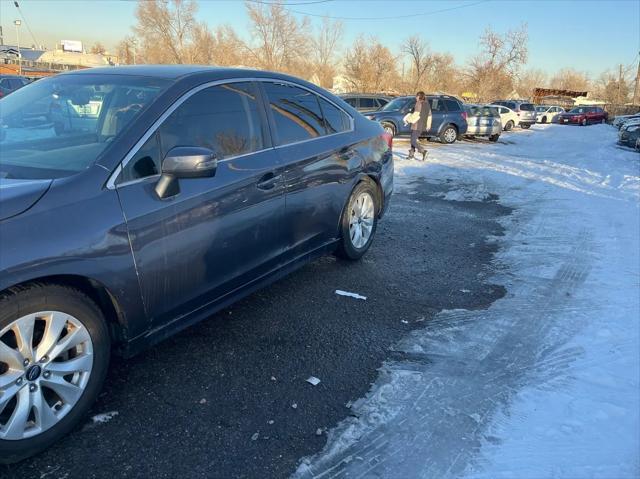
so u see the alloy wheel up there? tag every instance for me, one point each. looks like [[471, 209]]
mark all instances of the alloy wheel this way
[[46, 360], [450, 135], [361, 219]]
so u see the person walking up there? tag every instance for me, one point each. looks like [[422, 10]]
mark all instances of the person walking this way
[[423, 123]]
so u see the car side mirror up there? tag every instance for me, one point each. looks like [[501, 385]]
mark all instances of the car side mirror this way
[[184, 162]]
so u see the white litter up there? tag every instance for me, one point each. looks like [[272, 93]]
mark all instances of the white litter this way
[[313, 380], [255, 436], [404, 321], [294, 406], [104, 417], [350, 295], [465, 290]]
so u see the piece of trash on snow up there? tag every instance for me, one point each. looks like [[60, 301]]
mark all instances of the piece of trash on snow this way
[[339, 292], [420, 319], [313, 380], [319, 431], [349, 404], [273, 378], [203, 401], [465, 290], [104, 417], [255, 436], [404, 321], [270, 421], [294, 406]]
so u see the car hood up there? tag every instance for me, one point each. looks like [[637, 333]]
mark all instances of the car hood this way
[[17, 196]]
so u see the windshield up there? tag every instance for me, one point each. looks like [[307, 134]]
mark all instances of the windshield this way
[[396, 104], [541, 109], [527, 107], [579, 110], [59, 126], [475, 110]]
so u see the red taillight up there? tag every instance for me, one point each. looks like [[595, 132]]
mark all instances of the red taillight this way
[[1, 93], [388, 137], [464, 115]]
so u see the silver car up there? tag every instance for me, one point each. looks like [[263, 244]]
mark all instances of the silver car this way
[[483, 121]]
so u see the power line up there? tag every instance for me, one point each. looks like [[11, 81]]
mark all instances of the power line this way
[[33, 37], [390, 17], [284, 3]]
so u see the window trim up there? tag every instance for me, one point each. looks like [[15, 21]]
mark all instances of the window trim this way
[[111, 181]]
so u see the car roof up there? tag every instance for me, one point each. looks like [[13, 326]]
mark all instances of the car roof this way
[[372, 95], [175, 72]]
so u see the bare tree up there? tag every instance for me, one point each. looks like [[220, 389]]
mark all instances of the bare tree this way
[[98, 48], [126, 51], [370, 66], [493, 71], [323, 53], [570, 79], [281, 42], [529, 80], [421, 60], [165, 29]]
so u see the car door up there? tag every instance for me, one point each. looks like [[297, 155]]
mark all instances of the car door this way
[[219, 233], [312, 138], [438, 115]]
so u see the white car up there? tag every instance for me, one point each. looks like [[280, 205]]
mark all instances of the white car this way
[[548, 113], [508, 117]]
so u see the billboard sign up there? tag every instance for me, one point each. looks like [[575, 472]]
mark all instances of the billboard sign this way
[[72, 46]]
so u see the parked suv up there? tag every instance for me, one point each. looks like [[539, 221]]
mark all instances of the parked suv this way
[[11, 83], [449, 118], [194, 187], [364, 102], [525, 110]]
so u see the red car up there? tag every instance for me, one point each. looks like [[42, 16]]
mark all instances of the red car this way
[[584, 115]]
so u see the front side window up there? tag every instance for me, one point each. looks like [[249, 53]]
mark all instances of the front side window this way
[[223, 118], [295, 111], [59, 126]]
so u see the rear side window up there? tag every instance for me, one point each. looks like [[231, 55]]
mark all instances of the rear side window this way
[[351, 101], [367, 103], [336, 121], [527, 107], [381, 102], [295, 111], [437, 104], [511, 105], [452, 105]]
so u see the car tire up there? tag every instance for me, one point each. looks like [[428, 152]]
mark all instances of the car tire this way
[[389, 128], [79, 316], [362, 205], [603, 121], [449, 135], [525, 126], [584, 122], [544, 119], [494, 138], [508, 126]]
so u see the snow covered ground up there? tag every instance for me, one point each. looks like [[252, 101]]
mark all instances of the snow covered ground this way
[[544, 383]]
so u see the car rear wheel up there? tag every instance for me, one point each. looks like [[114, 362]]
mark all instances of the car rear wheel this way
[[54, 353], [359, 222], [508, 126], [494, 138], [389, 128], [525, 126], [449, 134], [544, 119], [584, 122]]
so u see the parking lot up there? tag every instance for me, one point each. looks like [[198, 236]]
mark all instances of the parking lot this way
[[229, 398]]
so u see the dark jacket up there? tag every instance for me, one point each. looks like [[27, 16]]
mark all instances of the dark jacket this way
[[425, 111]]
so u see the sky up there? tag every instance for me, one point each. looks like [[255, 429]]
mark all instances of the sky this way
[[590, 36]]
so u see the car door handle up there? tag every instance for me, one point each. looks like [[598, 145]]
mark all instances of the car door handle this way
[[268, 181]]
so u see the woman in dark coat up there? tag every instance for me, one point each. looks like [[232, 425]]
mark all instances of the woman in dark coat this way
[[422, 107]]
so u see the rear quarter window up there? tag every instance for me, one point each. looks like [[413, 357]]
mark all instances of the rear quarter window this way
[[527, 107]]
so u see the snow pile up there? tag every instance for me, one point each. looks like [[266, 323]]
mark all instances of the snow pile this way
[[544, 383]]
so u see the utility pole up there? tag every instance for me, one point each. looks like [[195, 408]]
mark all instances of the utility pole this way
[[17, 23], [636, 92], [619, 86]]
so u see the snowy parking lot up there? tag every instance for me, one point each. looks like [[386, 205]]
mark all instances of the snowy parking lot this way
[[491, 332]]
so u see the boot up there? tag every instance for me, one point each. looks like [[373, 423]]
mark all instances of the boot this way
[[411, 154], [425, 153]]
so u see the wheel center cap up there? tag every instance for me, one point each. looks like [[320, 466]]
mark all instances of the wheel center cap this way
[[33, 372]]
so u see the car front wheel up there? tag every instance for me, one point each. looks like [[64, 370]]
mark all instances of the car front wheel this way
[[508, 126], [389, 128], [494, 138], [584, 122], [54, 353], [359, 222], [525, 126]]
